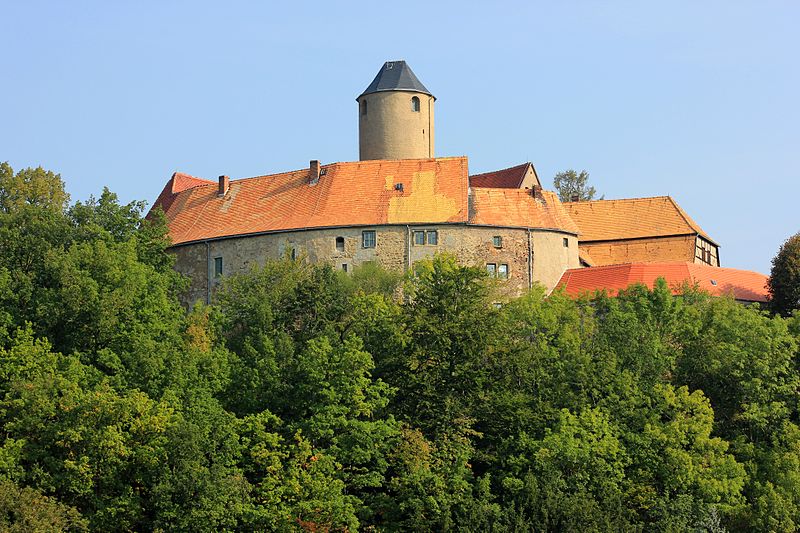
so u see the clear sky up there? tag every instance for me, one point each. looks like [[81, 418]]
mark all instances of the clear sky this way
[[698, 100]]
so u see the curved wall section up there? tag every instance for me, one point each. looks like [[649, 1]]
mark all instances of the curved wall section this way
[[390, 128]]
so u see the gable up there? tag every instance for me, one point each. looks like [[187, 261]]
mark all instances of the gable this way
[[519, 177]]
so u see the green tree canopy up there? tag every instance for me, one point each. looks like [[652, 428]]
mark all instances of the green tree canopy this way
[[784, 279], [572, 186]]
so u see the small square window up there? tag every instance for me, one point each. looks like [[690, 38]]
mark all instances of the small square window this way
[[566, 242], [502, 271], [419, 238], [217, 267], [433, 237], [340, 244], [368, 239], [497, 240], [491, 268]]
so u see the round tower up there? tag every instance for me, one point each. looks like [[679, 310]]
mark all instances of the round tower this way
[[395, 116]]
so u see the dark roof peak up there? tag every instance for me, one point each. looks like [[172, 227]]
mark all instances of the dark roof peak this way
[[396, 76]]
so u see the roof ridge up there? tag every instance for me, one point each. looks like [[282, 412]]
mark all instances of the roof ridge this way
[[368, 161], [501, 170], [634, 199]]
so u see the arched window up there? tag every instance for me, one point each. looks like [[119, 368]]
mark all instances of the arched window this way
[[363, 107], [340, 244], [415, 104]]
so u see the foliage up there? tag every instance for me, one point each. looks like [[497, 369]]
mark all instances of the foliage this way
[[306, 399], [784, 279], [570, 185]]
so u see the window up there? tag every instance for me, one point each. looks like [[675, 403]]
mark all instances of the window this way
[[430, 237], [340, 244], [363, 107], [344, 267], [566, 242], [368, 239], [217, 267], [502, 271], [414, 104], [497, 240], [294, 253], [497, 271]]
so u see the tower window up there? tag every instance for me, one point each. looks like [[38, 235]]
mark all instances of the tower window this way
[[340, 244], [415, 104], [363, 107]]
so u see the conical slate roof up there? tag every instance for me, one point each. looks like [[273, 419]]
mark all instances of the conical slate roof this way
[[395, 76]]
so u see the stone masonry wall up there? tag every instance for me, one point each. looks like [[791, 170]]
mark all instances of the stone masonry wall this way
[[472, 245], [679, 248]]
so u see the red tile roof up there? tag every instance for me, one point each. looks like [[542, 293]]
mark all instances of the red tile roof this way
[[179, 182], [363, 193], [605, 220], [744, 285], [508, 178], [518, 208], [348, 194]]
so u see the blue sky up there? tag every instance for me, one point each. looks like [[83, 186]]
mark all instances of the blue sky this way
[[698, 100]]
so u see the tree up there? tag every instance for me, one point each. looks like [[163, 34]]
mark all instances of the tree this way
[[571, 184], [784, 279]]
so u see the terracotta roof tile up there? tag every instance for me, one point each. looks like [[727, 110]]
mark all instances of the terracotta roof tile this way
[[515, 207], [744, 285], [602, 220], [348, 194], [510, 178]]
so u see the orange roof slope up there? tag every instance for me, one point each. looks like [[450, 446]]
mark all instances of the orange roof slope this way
[[607, 220], [347, 194], [744, 285], [179, 182], [508, 178], [518, 208]]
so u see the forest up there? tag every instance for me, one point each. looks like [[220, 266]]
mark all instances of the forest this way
[[306, 399]]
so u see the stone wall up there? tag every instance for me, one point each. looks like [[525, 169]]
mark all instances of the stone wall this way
[[681, 248], [390, 129], [472, 245]]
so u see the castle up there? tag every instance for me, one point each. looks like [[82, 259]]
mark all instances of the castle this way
[[399, 204]]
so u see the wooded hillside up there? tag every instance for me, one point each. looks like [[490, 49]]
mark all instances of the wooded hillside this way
[[308, 399]]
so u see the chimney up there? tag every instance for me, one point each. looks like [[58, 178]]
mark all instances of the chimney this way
[[536, 191], [224, 182], [314, 171], [574, 198]]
